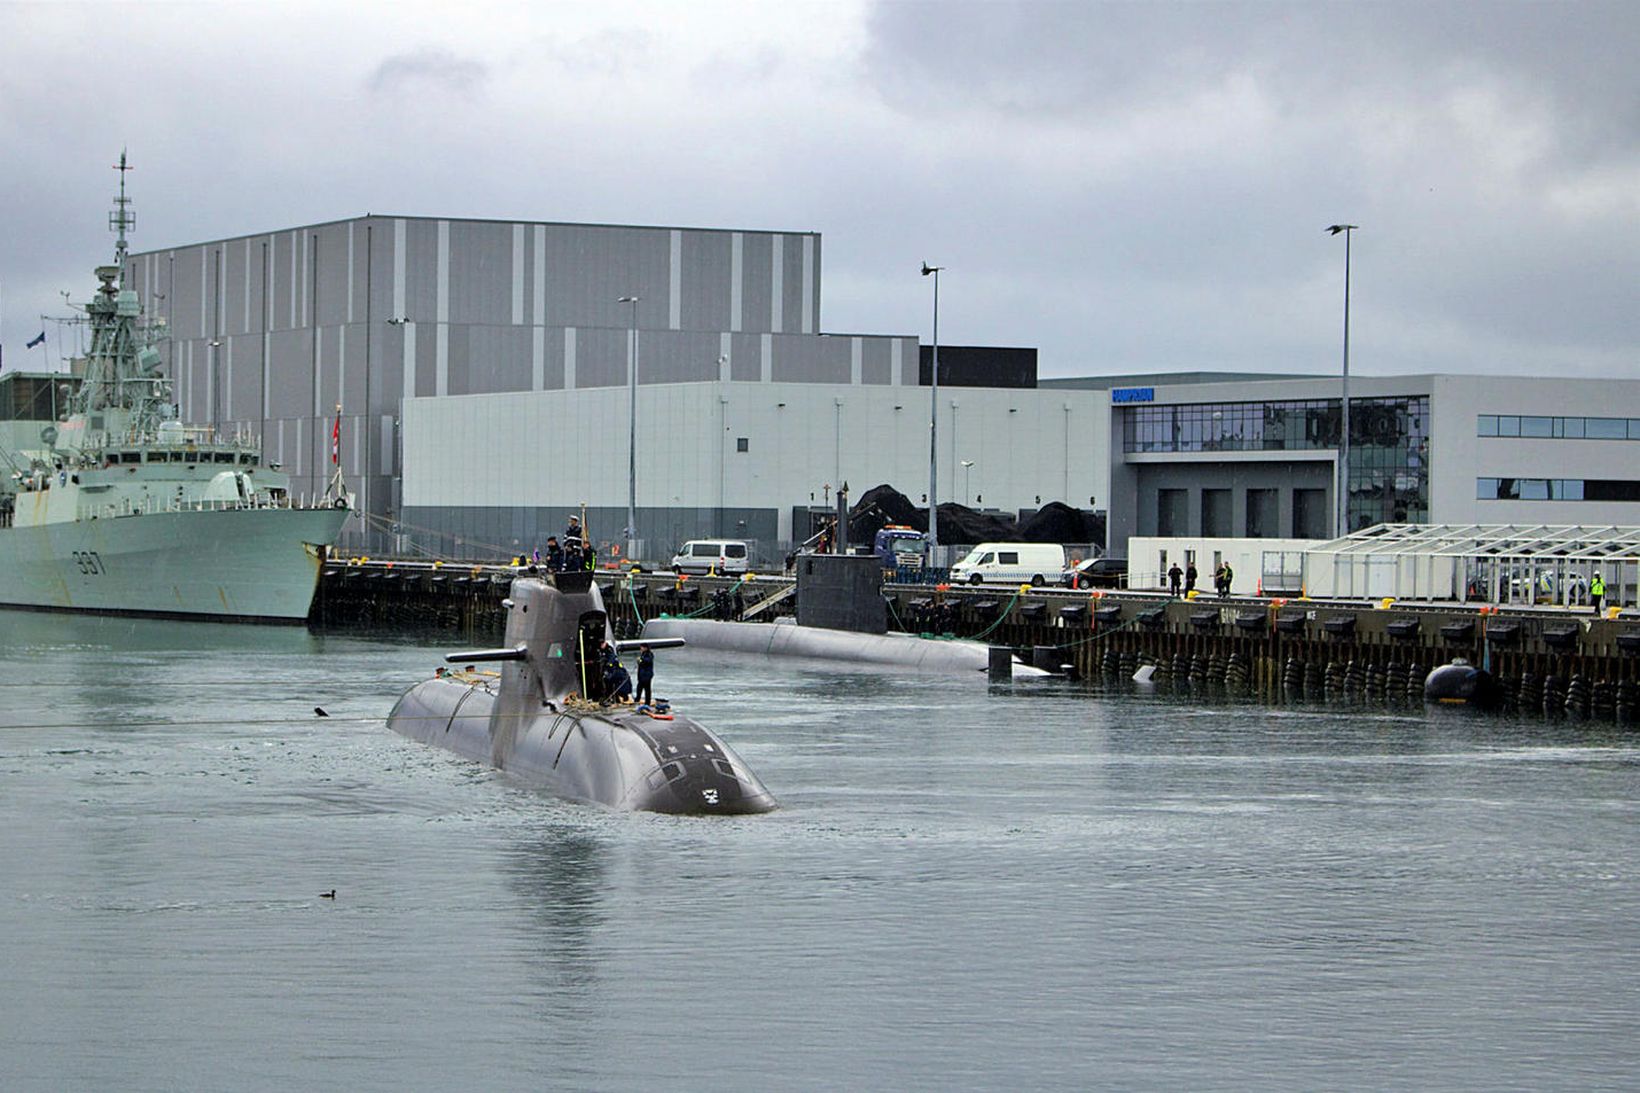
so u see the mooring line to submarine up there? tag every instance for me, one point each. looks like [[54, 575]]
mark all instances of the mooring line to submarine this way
[[1098, 635], [712, 605], [1009, 607]]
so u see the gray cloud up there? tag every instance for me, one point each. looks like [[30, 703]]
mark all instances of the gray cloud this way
[[1125, 186], [429, 67]]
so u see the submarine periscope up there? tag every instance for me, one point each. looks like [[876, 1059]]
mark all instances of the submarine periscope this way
[[550, 717]]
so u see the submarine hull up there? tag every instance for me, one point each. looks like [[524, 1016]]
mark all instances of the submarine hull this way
[[613, 756]]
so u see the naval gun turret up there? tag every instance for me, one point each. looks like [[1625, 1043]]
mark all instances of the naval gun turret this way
[[548, 717]]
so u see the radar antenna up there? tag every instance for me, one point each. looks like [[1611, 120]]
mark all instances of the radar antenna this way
[[122, 217]]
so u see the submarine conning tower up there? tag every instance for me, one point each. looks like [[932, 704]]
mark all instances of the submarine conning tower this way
[[559, 623]]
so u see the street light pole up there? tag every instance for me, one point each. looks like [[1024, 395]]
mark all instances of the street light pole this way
[[934, 425], [1344, 422], [631, 426], [216, 387], [967, 481]]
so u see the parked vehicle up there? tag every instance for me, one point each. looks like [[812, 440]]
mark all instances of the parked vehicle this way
[[900, 547], [723, 556], [1012, 563], [1097, 573]]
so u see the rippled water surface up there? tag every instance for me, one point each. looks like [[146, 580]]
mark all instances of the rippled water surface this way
[[1041, 886]]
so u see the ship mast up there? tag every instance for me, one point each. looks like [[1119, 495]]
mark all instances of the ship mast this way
[[122, 217], [122, 366]]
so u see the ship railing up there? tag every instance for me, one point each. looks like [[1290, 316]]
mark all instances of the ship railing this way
[[151, 504]]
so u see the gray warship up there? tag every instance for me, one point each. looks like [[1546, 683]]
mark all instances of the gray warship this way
[[548, 717], [124, 509]]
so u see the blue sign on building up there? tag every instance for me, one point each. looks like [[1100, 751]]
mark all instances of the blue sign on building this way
[[1133, 394]]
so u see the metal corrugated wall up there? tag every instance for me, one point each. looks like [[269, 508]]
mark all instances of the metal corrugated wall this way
[[362, 313]]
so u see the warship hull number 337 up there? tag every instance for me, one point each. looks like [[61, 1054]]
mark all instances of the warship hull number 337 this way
[[124, 509]]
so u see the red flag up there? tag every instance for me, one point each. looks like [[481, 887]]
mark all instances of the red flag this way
[[336, 440]]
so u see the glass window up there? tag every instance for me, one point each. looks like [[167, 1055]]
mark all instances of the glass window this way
[[1572, 427], [1536, 426], [1486, 489], [1508, 425], [743, 444], [1008, 557], [1534, 489], [1571, 489], [734, 550], [1487, 425], [1634, 428], [704, 550], [1606, 428]]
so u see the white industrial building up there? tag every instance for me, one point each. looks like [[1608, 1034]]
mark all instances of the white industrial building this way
[[735, 458]]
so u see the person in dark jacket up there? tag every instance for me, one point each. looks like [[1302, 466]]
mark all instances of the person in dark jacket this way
[[646, 675], [1190, 578], [1173, 575], [617, 683], [555, 554]]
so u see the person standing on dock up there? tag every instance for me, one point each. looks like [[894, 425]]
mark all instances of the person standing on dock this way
[[1597, 591], [646, 675], [1174, 574], [1226, 575], [1189, 578]]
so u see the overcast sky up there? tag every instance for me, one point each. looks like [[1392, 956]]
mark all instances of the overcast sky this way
[[1126, 187]]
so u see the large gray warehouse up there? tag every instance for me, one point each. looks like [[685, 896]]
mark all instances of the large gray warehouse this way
[[270, 333]]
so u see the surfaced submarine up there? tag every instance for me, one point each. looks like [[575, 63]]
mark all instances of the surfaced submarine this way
[[548, 719]]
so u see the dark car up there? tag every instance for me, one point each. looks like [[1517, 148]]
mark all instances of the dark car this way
[[1097, 573]]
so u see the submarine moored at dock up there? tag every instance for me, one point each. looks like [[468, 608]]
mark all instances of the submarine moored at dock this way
[[546, 718]]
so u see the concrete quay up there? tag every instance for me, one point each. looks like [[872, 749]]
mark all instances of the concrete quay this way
[[1549, 659]]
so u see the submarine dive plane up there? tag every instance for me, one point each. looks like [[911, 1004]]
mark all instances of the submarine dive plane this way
[[548, 717]]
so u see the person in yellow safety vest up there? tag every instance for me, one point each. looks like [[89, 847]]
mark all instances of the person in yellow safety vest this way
[[1597, 591]]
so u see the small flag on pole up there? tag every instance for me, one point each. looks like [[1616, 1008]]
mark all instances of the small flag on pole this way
[[38, 339], [336, 439]]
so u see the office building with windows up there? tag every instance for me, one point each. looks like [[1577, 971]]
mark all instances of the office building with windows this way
[[1258, 458]]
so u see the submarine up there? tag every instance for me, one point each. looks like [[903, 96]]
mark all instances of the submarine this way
[[547, 717], [1462, 684]]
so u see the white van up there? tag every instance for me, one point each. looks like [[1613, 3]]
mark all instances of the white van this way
[[702, 555], [1012, 563]]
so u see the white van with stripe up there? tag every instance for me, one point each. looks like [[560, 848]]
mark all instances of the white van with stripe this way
[[1012, 563]]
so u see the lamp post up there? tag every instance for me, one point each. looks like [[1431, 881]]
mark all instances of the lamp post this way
[[631, 425], [1344, 422], [934, 425], [216, 387], [967, 481]]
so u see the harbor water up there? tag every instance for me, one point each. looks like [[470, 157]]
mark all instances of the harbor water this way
[[1039, 885]]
